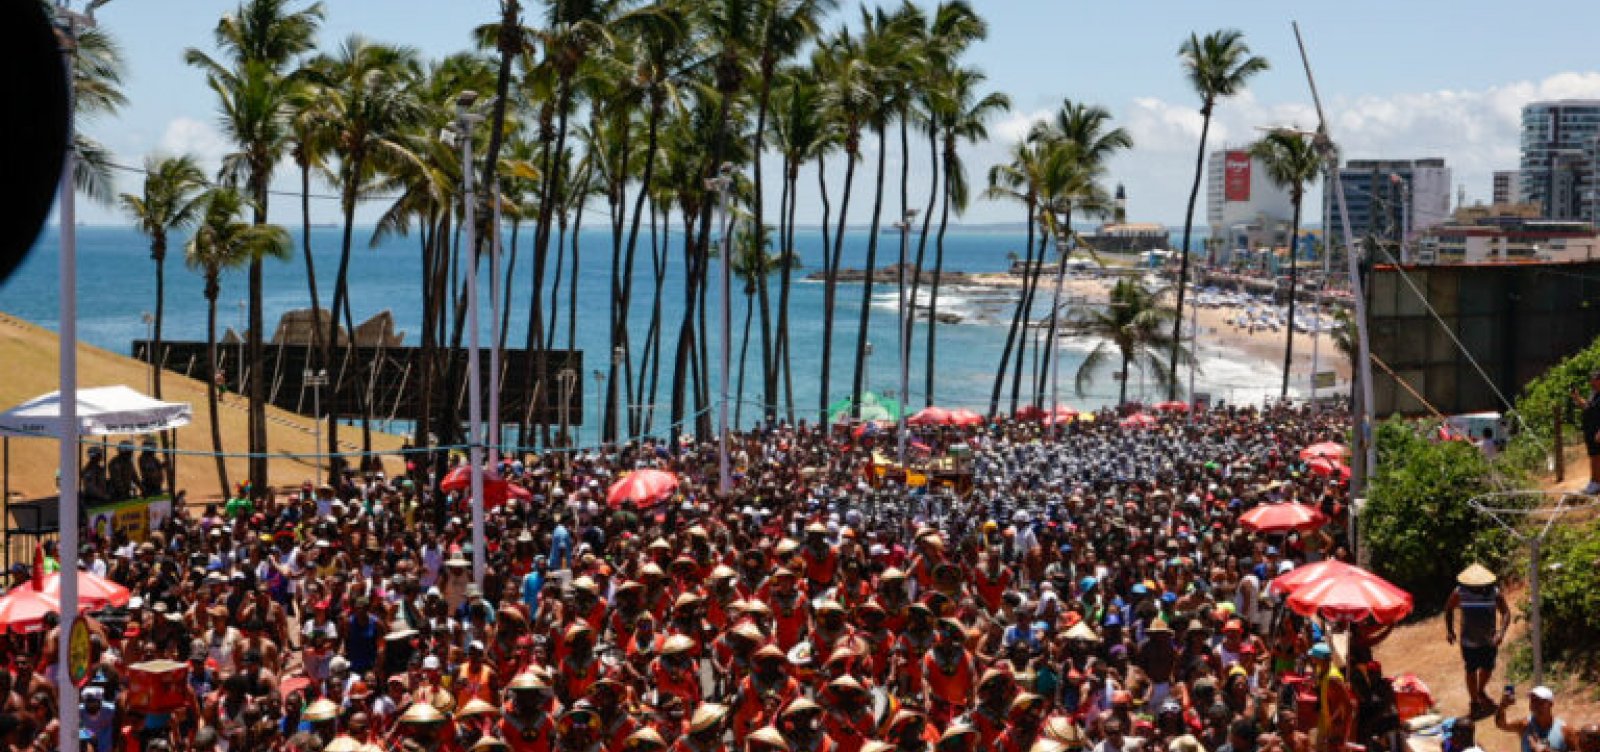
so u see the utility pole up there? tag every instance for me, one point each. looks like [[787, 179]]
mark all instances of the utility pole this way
[[720, 185], [465, 120], [316, 380]]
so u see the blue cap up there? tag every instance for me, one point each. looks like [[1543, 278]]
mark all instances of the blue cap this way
[[1320, 651], [1113, 620], [1169, 597], [1041, 626], [1086, 583], [1272, 550], [1066, 548], [1140, 589]]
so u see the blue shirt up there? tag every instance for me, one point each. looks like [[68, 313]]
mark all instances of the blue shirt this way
[[532, 583]]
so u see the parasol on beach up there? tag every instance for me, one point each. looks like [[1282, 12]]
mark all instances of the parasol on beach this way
[[1329, 468], [873, 407], [1282, 518]]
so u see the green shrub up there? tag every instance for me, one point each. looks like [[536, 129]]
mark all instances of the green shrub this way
[[1570, 588], [1542, 398], [1418, 528]]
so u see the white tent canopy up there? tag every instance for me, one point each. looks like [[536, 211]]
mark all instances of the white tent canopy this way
[[102, 411]]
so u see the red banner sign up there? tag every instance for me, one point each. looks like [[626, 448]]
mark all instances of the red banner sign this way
[[1236, 178]]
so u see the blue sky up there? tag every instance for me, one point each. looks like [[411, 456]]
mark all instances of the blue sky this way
[[1406, 78]]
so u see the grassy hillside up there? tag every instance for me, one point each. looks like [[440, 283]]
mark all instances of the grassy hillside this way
[[29, 355]]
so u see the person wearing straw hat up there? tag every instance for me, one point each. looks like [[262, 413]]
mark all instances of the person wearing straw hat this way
[[704, 730], [1485, 616], [423, 725]]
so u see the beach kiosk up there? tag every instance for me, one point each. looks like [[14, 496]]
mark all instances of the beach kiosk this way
[[104, 412]]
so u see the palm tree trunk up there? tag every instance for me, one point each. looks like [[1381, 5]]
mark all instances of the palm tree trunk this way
[[620, 324], [1122, 389], [922, 246], [830, 283], [1183, 263], [1017, 317], [341, 291], [857, 384], [658, 257], [211, 382], [769, 363], [1030, 288], [938, 271], [1052, 341], [685, 345], [785, 274], [153, 354], [744, 349], [1294, 278]]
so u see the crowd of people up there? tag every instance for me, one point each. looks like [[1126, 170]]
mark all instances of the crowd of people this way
[[1065, 588]]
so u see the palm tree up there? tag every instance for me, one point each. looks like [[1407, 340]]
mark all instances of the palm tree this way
[[261, 39], [1133, 329], [960, 114], [889, 42], [366, 103], [1218, 65], [223, 240], [1085, 131], [170, 203], [783, 26], [1018, 181], [1291, 163], [97, 68], [752, 260]]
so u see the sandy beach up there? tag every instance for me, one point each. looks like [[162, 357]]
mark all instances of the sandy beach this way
[[1216, 329]]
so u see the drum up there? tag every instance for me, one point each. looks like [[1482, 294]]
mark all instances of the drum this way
[[157, 686]]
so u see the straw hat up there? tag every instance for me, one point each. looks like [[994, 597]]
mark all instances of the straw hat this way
[[1024, 701], [876, 746], [420, 713], [528, 681], [1476, 575], [343, 744], [769, 737], [706, 716], [321, 710], [1159, 626], [476, 707], [487, 744], [1082, 631], [1062, 729], [677, 644], [645, 738], [800, 705], [1047, 745]]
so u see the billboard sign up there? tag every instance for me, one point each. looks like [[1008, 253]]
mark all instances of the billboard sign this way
[[1236, 176]]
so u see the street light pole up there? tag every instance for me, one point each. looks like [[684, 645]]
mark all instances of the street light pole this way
[[465, 120], [720, 185], [904, 226], [67, 268], [494, 332], [149, 320]]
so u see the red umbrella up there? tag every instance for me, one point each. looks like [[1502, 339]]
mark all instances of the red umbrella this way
[[1353, 596], [1327, 450], [1061, 415], [23, 609], [1138, 420], [1173, 406], [964, 417], [459, 477], [1329, 468], [1299, 577], [642, 487], [931, 416], [94, 591], [1030, 412], [1282, 518]]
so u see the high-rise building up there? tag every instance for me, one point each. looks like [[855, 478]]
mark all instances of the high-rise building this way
[[1560, 153], [1507, 187], [1244, 208], [1390, 199]]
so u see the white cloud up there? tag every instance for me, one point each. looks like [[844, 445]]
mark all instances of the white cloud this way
[[1014, 126], [1477, 131], [185, 135]]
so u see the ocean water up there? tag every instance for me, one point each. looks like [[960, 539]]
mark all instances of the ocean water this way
[[116, 284]]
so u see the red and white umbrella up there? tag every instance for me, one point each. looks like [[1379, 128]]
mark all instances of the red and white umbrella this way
[[1352, 596], [1173, 406], [94, 591], [1138, 420], [1282, 518], [964, 417], [1299, 577], [1061, 415], [1326, 450], [458, 479], [1329, 468], [23, 609], [931, 416], [642, 487]]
